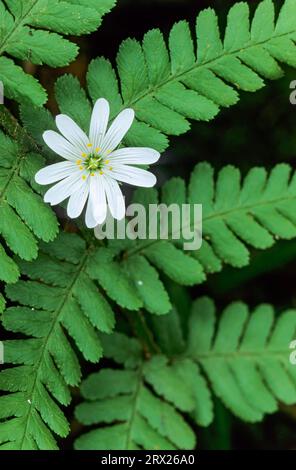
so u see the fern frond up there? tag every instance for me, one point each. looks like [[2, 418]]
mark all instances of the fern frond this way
[[132, 284], [120, 396], [167, 85], [254, 212], [33, 30], [58, 302], [245, 358], [236, 214], [23, 215]]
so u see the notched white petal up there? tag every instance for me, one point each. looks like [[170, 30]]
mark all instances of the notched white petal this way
[[134, 176], [77, 202], [72, 132], [118, 130], [135, 156], [65, 188], [98, 198], [53, 173], [99, 122], [90, 220], [115, 198], [61, 146]]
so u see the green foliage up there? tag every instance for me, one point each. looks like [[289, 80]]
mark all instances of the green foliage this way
[[132, 284], [247, 360], [57, 303], [142, 405], [161, 386], [33, 30], [166, 86], [61, 287], [121, 396], [236, 214], [23, 215]]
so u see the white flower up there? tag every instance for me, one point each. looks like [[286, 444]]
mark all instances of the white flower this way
[[94, 166]]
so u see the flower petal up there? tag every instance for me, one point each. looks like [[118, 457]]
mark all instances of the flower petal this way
[[96, 211], [77, 201], [134, 176], [72, 132], [115, 198], [118, 129], [98, 198], [61, 146], [90, 220], [135, 155], [99, 122], [64, 189], [53, 173]]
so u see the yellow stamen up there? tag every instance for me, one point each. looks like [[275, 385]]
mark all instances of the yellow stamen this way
[[111, 168], [97, 149], [92, 174], [101, 173], [89, 145], [78, 162], [81, 167], [84, 155], [107, 161], [108, 151], [84, 177]]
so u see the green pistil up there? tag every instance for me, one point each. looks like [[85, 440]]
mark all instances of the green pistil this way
[[93, 162]]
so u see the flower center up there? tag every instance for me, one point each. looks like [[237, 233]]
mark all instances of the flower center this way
[[93, 162]]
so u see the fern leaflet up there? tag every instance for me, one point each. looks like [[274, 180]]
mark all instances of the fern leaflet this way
[[23, 215], [245, 358], [65, 305], [32, 30], [166, 86]]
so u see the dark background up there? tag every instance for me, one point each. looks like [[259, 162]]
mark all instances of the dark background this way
[[259, 130]]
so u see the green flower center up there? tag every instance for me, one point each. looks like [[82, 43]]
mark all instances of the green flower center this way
[[93, 162]]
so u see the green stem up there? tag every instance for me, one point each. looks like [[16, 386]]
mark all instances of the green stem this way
[[134, 408], [18, 24], [56, 319], [13, 128], [141, 330]]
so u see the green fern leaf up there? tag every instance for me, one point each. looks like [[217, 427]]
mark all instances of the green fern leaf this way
[[24, 217], [112, 278], [121, 396], [166, 86], [236, 214], [243, 358], [58, 301], [148, 285], [20, 38], [166, 93], [247, 360]]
